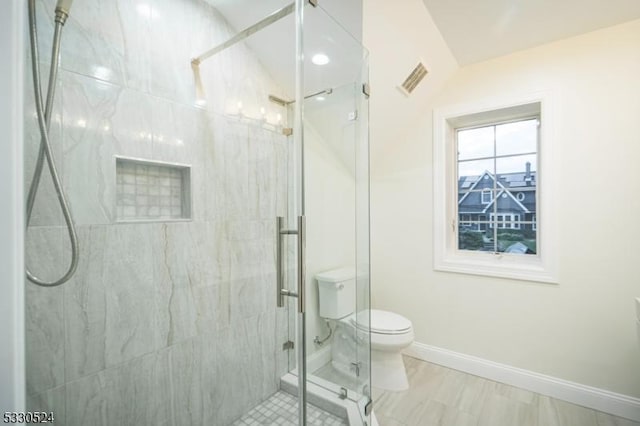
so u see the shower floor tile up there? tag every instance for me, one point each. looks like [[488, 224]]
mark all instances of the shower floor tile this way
[[282, 409]]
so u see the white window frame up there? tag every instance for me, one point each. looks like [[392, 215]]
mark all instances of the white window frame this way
[[541, 267], [482, 195], [515, 223]]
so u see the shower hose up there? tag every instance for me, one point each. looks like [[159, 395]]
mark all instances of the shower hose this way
[[45, 151]]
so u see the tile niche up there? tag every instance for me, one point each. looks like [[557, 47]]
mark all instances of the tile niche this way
[[152, 191]]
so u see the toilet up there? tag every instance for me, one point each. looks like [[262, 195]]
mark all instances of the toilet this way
[[390, 333]]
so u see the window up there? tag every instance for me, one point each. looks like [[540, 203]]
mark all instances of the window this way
[[489, 192], [505, 221], [486, 196], [497, 158]]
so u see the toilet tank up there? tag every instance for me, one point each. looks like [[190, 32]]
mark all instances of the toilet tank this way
[[337, 292]]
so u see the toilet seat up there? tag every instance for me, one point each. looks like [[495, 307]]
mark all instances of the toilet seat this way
[[383, 322]]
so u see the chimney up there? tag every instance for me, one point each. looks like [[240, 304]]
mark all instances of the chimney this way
[[527, 175]]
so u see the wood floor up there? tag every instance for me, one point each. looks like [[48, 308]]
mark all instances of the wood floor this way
[[439, 396]]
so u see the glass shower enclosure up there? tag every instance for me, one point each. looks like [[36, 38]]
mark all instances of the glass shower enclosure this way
[[213, 168]]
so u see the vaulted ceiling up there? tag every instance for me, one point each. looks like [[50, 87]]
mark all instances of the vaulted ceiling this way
[[476, 30]]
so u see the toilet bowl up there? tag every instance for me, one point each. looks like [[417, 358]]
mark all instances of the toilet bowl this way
[[390, 333]]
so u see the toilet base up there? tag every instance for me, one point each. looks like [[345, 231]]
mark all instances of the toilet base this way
[[388, 371]]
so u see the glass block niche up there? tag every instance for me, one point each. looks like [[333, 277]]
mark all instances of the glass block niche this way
[[152, 191]]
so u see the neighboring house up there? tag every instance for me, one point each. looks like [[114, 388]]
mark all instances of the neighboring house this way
[[515, 197]]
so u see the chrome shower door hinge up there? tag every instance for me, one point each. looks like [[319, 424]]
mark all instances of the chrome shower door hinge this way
[[368, 408], [366, 89], [352, 116], [343, 393], [356, 366], [287, 345]]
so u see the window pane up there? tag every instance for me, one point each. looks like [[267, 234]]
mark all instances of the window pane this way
[[475, 143], [517, 176], [517, 138], [517, 238]]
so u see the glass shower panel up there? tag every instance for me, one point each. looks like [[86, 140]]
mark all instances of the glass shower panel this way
[[261, 103], [175, 173], [363, 258], [336, 193]]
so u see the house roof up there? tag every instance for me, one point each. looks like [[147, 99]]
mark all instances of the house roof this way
[[507, 184], [515, 200], [509, 181]]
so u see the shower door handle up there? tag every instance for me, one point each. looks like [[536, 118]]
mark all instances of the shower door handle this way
[[279, 280], [281, 291], [302, 269]]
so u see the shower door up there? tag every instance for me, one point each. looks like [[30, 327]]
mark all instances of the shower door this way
[[327, 226]]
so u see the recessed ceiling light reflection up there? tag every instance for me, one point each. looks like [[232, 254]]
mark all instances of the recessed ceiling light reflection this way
[[320, 59], [320, 98], [102, 73], [144, 10]]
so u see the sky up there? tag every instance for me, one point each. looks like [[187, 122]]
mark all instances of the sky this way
[[513, 139]]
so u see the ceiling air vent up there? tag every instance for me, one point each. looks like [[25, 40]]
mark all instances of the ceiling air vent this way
[[412, 81]]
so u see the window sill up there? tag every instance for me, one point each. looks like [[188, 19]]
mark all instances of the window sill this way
[[501, 265]]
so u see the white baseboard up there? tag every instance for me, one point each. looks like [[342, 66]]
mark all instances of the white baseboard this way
[[586, 396], [319, 358]]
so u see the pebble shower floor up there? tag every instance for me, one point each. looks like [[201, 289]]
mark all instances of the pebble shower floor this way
[[282, 409]]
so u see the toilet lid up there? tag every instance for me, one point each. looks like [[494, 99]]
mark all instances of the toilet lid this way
[[385, 322]]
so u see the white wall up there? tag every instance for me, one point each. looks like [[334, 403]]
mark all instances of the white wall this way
[[583, 329], [398, 34], [11, 266]]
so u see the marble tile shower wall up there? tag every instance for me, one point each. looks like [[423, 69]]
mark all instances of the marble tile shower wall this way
[[164, 323]]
